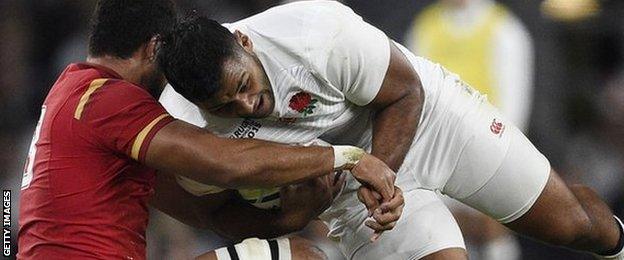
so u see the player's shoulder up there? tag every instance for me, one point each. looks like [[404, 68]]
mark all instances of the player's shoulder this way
[[118, 90], [104, 97], [308, 8], [297, 17], [322, 15], [319, 6]]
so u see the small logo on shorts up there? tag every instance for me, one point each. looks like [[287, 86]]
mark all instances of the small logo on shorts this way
[[497, 128]]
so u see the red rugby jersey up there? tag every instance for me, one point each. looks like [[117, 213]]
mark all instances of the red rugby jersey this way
[[84, 191]]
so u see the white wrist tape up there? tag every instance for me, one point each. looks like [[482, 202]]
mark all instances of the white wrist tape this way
[[346, 156], [256, 249]]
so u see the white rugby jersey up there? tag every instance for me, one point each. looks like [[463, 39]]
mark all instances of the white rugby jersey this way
[[322, 61], [324, 64]]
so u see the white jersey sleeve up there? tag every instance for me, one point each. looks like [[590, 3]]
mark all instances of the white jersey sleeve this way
[[180, 108], [356, 55]]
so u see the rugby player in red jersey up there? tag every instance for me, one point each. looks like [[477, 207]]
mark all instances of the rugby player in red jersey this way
[[102, 135]]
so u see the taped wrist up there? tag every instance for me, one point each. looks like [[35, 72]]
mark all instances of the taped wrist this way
[[346, 156], [256, 249]]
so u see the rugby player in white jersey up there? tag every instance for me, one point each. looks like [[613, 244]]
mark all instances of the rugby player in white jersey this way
[[314, 69]]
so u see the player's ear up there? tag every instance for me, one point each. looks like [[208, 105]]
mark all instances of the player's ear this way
[[243, 40], [151, 47]]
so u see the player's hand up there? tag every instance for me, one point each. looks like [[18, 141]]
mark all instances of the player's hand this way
[[386, 215], [374, 173]]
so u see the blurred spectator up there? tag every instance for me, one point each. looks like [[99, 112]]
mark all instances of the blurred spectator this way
[[595, 156], [490, 49], [485, 44]]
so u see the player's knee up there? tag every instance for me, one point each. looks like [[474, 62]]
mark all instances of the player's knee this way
[[572, 229], [583, 222], [304, 249], [579, 188]]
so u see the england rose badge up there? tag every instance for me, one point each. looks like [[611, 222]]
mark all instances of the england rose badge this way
[[303, 103]]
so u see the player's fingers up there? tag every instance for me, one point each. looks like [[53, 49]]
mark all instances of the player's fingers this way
[[374, 172], [387, 192], [393, 210], [376, 236], [397, 201], [388, 217], [377, 195], [365, 196], [374, 225], [378, 227]]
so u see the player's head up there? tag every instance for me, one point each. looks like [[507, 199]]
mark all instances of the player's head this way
[[129, 30], [216, 69]]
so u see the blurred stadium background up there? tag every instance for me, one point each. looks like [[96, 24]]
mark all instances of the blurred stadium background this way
[[574, 109]]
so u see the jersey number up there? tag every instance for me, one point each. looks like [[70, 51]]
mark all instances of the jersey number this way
[[30, 160]]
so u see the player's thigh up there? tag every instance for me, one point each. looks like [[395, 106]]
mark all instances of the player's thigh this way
[[426, 227], [507, 191]]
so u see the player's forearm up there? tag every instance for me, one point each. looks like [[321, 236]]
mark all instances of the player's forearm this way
[[174, 201], [271, 165], [238, 220], [234, 163], [394, 129]]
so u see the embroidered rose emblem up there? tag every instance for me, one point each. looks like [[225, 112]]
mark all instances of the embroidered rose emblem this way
[[303, 102]]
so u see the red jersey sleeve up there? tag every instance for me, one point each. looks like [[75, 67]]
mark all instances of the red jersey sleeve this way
[[125, 117]]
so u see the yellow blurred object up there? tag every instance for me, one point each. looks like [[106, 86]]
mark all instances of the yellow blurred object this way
[[570, 10], [465, 50]]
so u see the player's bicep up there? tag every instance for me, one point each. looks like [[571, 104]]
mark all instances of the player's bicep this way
[[400, 82], [189, 151]]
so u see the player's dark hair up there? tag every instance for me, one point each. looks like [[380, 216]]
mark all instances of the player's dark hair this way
[[120, 27], [192, 54]]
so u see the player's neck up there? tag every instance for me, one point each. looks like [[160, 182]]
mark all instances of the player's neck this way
[[129, 69]]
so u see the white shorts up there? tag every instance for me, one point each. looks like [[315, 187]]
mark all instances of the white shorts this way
[[466, 149], [425, 227], [498, 171], [512, 189]]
